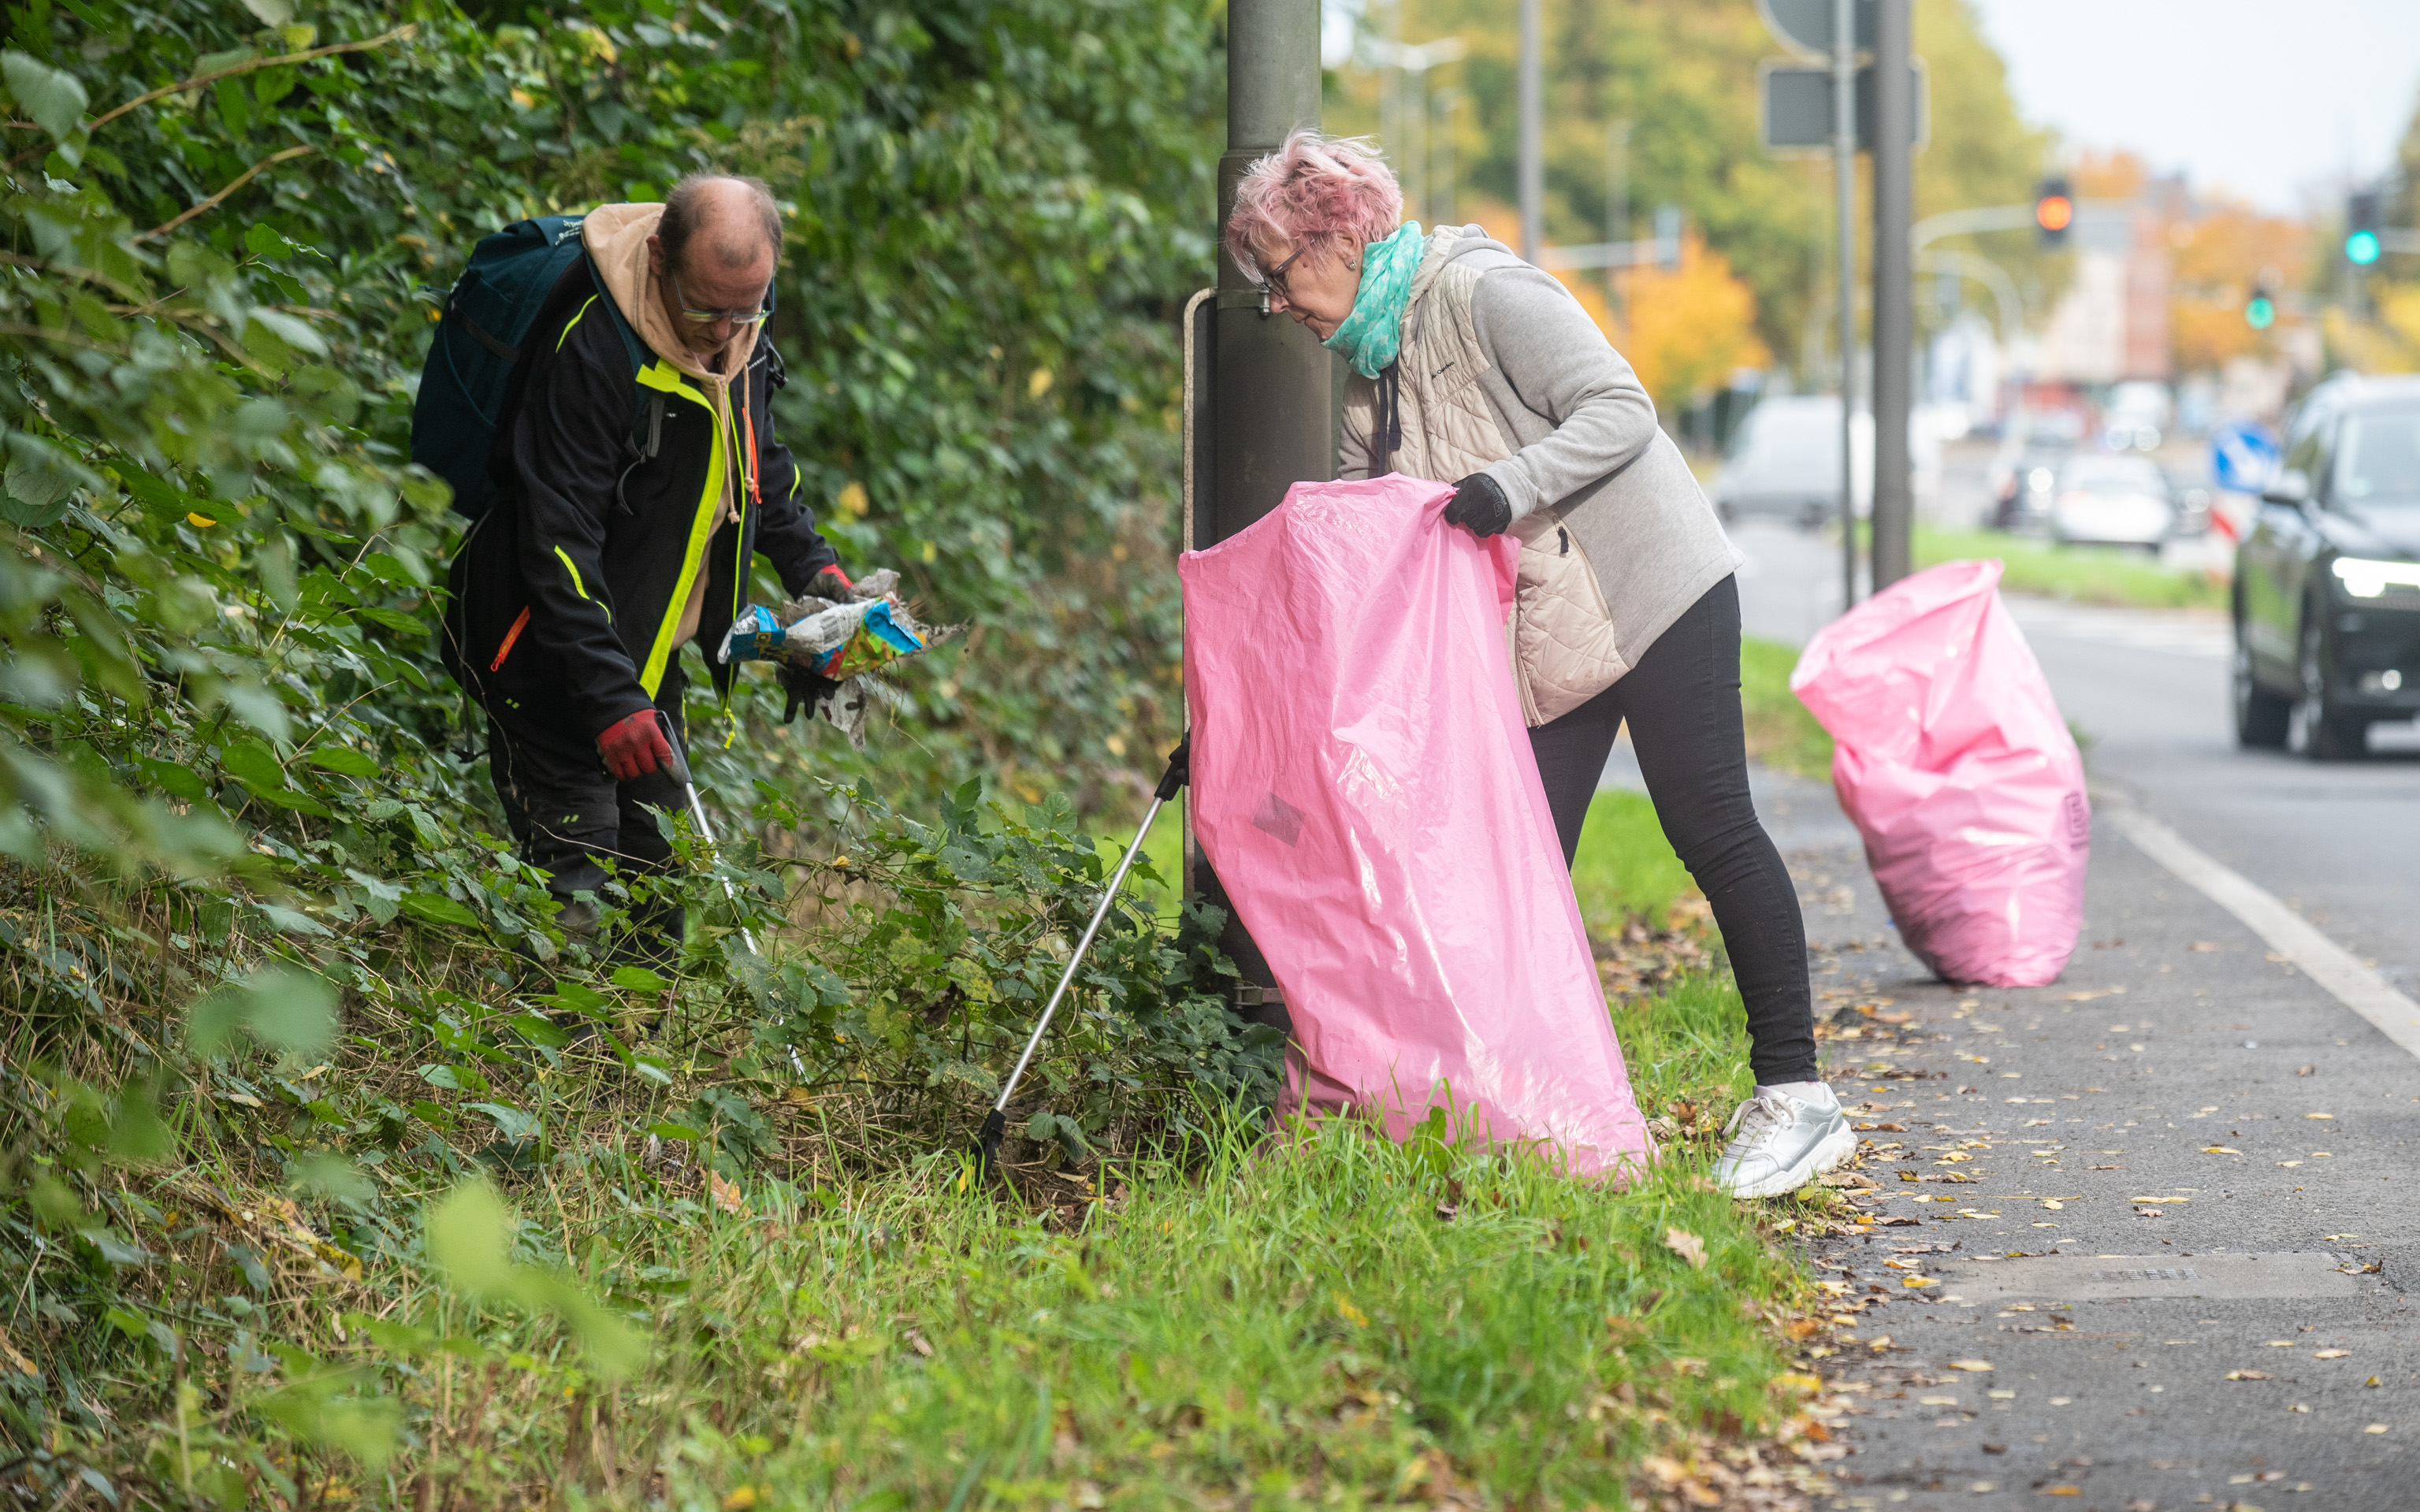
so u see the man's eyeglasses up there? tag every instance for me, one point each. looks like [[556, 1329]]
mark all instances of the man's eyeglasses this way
[[1273, 281], [743, 318]]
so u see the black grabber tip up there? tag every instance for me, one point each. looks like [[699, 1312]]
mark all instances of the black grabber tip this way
[[987, 1144], [1180, 770]]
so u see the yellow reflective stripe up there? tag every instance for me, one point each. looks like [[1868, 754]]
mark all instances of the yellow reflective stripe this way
[[662, 377], [566, 331], [581, 588]]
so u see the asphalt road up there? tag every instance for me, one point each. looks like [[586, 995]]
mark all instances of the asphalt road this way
[[2137, 1195]]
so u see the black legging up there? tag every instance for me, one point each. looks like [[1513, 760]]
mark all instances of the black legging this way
[[1683, 702]]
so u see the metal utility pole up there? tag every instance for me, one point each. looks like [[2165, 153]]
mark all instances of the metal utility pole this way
[[1894, 133], [1533, 167], [1844, 186], [1265, 408], [1617, 204]]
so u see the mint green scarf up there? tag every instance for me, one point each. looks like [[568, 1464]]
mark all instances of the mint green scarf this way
[[1372, 334]]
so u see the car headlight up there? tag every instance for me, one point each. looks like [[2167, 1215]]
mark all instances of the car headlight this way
[[2364, 577]]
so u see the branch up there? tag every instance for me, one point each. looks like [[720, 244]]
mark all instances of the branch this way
[[71, 271], [215, 200], [248, 66]]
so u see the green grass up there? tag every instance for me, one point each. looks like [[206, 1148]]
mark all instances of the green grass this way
[[1295, 1326], [2087, 574], [1780, 732], [1624, 865]]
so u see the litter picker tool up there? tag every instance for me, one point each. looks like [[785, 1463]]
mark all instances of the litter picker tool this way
[[996, 1122], [697, 812]]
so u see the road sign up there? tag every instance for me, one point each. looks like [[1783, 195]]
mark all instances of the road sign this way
[[2244, 456], [1797, 106], [1807, 25]]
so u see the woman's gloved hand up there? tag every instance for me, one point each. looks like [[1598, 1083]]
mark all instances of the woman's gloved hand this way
[[1479, 506], [635, 745]]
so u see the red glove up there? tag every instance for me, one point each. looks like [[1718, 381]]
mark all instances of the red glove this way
[[831, 583], [634, 747]]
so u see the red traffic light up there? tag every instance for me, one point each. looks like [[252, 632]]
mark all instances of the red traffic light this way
[[2053, 213]]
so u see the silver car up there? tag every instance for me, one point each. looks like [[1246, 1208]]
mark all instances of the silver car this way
[[2112, 501], [1785, 460]]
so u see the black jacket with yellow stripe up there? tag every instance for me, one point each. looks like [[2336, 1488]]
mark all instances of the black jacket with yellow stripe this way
[[568, 591]]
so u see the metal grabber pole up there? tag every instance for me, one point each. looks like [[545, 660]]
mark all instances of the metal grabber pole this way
[[996, 1122]]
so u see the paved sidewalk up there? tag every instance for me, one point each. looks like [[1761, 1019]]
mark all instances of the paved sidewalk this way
[[2141, 1238]]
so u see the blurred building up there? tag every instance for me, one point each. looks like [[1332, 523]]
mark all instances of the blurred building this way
[[2111, 323]]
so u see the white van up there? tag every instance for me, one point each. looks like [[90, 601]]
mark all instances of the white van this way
[[1785, 460]]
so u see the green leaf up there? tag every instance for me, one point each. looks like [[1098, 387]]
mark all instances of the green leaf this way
[[470, 1236], [576, 997], [272, 12], [175, 780], [435, 908], [50, 96], [284, 1007], [253, 764], [639, 980], [343, 760], [511, 1122], [662, 1130]]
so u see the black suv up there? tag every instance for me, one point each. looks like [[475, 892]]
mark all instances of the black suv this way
[[2327, 586]]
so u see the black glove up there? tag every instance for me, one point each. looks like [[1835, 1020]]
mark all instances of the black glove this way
[[1479, 506], [806, 688], [1180, 769]]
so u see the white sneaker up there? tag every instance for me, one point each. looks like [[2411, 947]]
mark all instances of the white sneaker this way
[[1779, 1143]]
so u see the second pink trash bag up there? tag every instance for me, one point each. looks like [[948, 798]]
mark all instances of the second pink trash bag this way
[[1951, 757], [1362, 783]]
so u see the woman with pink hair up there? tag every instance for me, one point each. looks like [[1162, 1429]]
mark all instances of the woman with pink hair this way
[[1472, 368]]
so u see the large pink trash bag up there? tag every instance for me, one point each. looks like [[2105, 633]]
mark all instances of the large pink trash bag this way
[[1362, 781], [1952, 758]]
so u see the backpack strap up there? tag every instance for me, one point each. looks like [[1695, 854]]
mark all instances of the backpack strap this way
[[647, 411]]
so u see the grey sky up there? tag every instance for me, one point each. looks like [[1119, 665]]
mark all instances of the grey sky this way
[[2274, 99]]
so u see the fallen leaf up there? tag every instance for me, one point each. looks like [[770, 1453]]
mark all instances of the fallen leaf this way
[[2053, 1204], [2375, 1428], [2318, 1114], [2062, 1491], [2281, 1344], [2305, 1070], [1983, 1365], [2330, 1355], [1686, 1245], [1918, 1281], [726, 1197], [1884, 1342], [2247, 1375], [2201, 945], [2219, 1149]]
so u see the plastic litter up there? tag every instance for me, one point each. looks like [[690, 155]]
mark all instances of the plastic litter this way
[[1951, 757], [1363, 785], [849, 640]]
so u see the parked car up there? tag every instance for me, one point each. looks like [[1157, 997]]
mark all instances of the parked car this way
[[2327, 583], [2112, 501], [1785, 460], [2024, 501]]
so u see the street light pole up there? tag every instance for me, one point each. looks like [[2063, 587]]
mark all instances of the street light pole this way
[[1271, 389], [1844, 194], [1532, 169], [1894, 320]]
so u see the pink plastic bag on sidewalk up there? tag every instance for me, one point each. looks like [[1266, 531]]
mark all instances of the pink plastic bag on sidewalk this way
[[1951, 757], [1362, 781]]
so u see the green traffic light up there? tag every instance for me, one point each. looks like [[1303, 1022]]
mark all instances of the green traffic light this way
[[2261, 313], [2362, 248]]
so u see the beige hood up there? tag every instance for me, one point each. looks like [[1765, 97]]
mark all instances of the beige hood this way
[[616, 238]]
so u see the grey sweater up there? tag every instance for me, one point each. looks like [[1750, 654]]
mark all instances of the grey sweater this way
[[1582, 439]]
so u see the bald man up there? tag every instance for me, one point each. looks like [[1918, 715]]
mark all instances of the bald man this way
[[627, 509]]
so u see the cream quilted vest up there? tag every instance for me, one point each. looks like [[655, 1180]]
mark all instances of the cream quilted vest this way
[[1561, 631]]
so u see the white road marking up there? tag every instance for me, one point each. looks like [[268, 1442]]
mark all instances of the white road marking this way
[[2182, 634], [2287, 932]]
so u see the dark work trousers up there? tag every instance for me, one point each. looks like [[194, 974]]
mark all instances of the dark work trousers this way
[[568, 814], [1682, 704]]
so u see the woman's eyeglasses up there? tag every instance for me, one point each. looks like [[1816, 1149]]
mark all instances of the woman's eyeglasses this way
[[743, 318], [1274, 280]]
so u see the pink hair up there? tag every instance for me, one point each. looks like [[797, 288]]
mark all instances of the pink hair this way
[[1314, 186]]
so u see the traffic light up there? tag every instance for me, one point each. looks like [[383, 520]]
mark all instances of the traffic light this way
[[2260, 311], [2054, 211], [2361, 243]]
